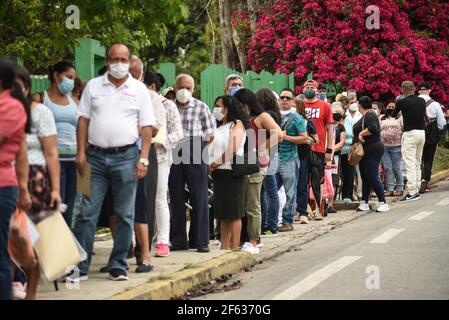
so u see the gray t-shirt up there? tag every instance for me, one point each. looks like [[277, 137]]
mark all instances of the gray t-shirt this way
[[43, 125]]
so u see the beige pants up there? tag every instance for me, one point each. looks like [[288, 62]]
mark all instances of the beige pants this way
[[411, 148], [253, 185]]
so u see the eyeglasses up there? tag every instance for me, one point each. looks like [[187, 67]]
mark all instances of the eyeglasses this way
[[285, 98]]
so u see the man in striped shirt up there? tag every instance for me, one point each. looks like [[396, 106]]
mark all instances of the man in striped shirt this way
[[189, 167]]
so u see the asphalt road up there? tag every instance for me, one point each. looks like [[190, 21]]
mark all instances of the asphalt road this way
[[401, 254]]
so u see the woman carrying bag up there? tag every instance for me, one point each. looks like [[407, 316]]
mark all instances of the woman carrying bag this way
[[367, 132]]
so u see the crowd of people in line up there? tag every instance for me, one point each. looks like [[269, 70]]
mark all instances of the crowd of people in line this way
[[156, 159]]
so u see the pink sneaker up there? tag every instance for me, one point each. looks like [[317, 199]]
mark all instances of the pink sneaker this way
[[162, 250]]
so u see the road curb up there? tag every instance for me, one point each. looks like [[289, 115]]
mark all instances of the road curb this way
[[177, 284]]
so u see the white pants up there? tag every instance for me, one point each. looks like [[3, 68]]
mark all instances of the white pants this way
[[411, 147], [162, 220], [282, 202]]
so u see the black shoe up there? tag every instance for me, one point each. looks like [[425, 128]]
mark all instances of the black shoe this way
[[118, 275], [269, 233], [331, 210], [423, 187], [203, 249], [410, 197], [144, 268], [178, 248], [105, 269]]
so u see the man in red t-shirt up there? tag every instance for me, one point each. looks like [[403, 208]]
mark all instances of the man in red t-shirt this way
[[320, 113]]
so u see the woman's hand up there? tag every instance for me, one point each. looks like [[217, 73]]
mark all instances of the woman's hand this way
[[55, 200], [24, 201], [361, 138]]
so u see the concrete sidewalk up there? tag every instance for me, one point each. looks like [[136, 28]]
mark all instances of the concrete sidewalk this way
[[183, 270]]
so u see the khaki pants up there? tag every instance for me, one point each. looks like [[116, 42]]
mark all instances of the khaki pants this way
[[253, 185], [412, 147]]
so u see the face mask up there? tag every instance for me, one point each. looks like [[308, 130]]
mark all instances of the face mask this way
[[218, 113], [234, 90], [119, 70], [322, 96], [309, 93], [66, 85], [183, 95], [353, 107], [389, 112], [337, 116]]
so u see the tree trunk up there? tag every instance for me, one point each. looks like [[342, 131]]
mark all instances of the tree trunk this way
[[226, 40], [240, 49], [252, 10]]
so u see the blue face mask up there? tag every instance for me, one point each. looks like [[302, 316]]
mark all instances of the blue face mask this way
[[66, 85], [234, 90]]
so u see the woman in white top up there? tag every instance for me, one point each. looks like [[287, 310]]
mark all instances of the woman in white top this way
[[229, 195]]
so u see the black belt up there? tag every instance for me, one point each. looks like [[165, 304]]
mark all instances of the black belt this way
[[113, 149]]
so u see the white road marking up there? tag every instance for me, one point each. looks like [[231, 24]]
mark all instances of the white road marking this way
[[420, 216], [387, 236], [443, 202], [315, 278]]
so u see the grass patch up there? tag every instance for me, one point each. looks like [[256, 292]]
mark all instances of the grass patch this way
[[441, 160]]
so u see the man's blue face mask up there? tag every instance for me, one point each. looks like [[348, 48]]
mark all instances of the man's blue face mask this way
[[234, 90]]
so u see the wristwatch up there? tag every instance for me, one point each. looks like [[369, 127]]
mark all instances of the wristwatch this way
[[145, 162]]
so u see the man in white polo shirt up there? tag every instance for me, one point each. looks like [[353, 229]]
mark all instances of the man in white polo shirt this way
[[111, 109]]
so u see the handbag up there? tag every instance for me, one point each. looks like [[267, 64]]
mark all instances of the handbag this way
[[246, 164], [20, 244], [56, 249], [356, 151]]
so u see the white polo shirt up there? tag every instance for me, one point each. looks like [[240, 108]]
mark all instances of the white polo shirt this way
[[115, 113]]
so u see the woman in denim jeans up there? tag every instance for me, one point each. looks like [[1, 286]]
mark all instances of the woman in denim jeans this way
[[390, 134]]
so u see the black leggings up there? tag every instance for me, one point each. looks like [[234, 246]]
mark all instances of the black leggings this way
[[369, 171]]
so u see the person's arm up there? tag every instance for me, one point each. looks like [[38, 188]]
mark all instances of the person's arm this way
[[147, 134], [341, 144], [81, 140], [238, 132], [22, 171], [302, 137], [330, 142], [49, 145], [370, 128], [208, 124], [441, 121], [174, 125]]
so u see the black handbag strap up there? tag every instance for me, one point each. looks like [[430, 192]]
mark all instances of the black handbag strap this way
[[289, 120]]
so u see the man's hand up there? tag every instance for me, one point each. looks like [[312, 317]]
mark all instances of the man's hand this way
[[81, 162], [140, 171], [24, 201]]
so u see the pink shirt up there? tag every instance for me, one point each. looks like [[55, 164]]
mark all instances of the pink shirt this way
[[12, 126]]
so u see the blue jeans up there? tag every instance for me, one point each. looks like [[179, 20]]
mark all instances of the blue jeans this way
[[369, 172], [8, 199], [287, 176], [115, 170], [303, 193], [68, 188], [269, 199], [392, 164]]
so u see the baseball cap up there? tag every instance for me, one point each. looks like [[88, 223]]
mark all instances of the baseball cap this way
[[167, 90], [424, 86], [310, 82]]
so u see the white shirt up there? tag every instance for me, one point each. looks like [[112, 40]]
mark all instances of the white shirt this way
[[115, 113], [433, 111], [221, 143]]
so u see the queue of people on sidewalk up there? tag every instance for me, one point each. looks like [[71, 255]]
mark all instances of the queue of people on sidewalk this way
[[156, 159]]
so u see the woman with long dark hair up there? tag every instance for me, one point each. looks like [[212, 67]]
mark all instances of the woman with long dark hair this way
[[259, 122], [269, 198], [15, 121], [58, 98], [229, 195], [367, 131]]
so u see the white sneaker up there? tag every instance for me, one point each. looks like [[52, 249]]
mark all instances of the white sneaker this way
[[18, 291], [363, 206], [217, 244], [383, 207], [347, 200], [249, 247]]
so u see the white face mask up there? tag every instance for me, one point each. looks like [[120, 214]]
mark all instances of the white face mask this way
[[353, 107], [183, 95], [285, 112], [218, 113], [119, 70]]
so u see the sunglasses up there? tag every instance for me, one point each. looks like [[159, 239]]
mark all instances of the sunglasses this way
[[285, 98]]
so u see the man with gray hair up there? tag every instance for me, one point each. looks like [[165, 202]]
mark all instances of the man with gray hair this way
[[136, 67], [413, 109], [233, 83]]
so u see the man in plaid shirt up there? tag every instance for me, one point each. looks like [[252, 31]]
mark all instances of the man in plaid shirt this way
[[189, 167]]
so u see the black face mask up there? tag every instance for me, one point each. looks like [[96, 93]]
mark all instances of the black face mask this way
[[337, 116], [389, 112]]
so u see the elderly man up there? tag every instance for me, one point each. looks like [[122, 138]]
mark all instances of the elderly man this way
[[436, 124], [233, 83], [413, 109], [112, 107], [198, 126]]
